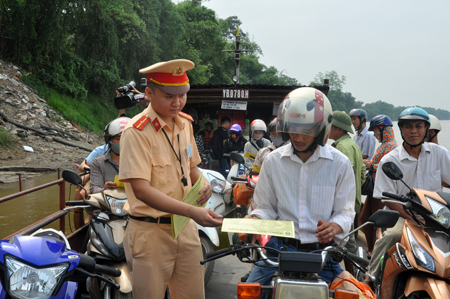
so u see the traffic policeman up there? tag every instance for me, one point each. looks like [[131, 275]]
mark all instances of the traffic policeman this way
[[158, 165]]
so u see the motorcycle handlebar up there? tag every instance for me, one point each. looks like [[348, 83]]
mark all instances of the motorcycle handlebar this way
[[88, 263], [359, 260], [394, 196], [218, 252], [238, 179], [107, 270]]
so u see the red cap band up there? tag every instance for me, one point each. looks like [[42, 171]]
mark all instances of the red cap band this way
[[168, 79]]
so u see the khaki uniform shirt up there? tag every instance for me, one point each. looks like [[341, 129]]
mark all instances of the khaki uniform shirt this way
[[145, 153]]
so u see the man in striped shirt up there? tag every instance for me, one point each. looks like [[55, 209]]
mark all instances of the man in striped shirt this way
[[306, 181]]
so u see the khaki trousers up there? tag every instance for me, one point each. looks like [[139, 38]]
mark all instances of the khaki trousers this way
[[158, 261], [390, 237]]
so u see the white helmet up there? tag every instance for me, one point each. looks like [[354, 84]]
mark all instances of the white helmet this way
[[435, 124], [258, 125], [306, 111], [115, 128]]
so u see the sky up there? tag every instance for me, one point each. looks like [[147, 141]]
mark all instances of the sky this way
[[394, 51]]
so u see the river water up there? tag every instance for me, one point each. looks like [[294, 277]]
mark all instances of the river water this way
[[18, 213]]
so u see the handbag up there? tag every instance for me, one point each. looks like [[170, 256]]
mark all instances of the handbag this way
[[367, 187]]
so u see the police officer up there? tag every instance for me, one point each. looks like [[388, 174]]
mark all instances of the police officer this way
[[158, 165]]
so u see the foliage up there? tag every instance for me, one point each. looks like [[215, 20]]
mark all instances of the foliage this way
[[90, 113], [6, 139]]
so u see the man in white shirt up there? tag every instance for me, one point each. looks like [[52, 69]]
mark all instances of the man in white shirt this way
[[423, 164], [363, 137], [306, 181]]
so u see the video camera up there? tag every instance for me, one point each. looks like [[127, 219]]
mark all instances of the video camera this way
[[127, 97]]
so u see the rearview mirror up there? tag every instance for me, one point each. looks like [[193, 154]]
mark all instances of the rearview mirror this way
[[237, 158], [392, 171], [384, 218], [71, 177]]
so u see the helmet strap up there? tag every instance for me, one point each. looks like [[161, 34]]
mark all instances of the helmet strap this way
[[310, 148], [415, 145], [360, 123]]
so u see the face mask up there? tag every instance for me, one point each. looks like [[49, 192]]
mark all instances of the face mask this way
[[257, 136], [277, 140], [115, 147], [234, 134]]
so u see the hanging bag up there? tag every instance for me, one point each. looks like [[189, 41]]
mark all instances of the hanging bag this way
[[367, 187]]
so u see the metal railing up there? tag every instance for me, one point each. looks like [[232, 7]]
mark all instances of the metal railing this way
[[47, 220]]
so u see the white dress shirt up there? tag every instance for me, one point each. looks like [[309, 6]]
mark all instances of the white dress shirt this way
[[366, 141], [322, 188], [426, 172]]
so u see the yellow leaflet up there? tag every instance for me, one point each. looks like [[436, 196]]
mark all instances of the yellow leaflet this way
[[118, 183], [256, 168], [249, 155], [276, 228], [178, 222]]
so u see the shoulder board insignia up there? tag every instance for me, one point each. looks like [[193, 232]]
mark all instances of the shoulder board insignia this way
[[185, 115], [141, 122], [156, 124]]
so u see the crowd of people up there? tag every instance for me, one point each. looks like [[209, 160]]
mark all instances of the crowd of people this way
[[302, 178]]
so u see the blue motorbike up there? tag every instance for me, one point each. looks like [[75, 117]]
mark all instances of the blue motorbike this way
[[43, 266]]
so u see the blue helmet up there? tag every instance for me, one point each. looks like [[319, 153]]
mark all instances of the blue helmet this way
[[359, 113], [413, 113], [380, 120]]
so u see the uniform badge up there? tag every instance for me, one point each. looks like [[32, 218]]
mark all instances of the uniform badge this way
[[178, 71], [185, 115], [156, 124], [141, 122]]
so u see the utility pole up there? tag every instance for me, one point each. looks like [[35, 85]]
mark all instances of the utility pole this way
[[237, 58]]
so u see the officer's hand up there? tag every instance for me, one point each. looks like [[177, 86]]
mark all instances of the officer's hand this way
[[206, 217], [110, 185], [325, 232], [206, 191]]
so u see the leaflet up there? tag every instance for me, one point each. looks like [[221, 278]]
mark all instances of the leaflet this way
[[276, 228], [178, 222]]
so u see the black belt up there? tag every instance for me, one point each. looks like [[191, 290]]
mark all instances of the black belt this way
[[163, 220], [310, 246]]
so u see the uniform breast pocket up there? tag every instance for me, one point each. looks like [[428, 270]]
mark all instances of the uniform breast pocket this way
[[161, 171], [321, 201]]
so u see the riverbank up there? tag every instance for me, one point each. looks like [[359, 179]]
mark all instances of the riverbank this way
[[42, 140]]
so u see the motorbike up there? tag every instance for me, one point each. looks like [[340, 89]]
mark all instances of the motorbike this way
[[209, 236], [418, 265], [297, 271], [107, 228], [105, 236], [44, 266]]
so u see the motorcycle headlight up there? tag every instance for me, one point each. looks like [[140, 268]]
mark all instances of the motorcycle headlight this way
[[285, 288], [28, 282], [422, 257], [117, 205], [441, 212], [98, 243], [217, 185]]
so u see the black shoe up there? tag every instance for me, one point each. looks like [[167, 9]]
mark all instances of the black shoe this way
[[245, 277]]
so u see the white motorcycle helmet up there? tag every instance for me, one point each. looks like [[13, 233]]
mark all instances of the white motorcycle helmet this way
[[306, 111], [257, 125], [113, 129], [435, 124]]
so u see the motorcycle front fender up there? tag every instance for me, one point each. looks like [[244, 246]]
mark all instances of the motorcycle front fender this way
[[435, 287], [211, 233], [124, 280]]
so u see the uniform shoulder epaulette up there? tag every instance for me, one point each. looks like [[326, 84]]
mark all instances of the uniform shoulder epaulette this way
[[185, 115], [141, 122]]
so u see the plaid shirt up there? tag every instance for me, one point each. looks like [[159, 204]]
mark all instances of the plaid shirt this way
[[103, 169]]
